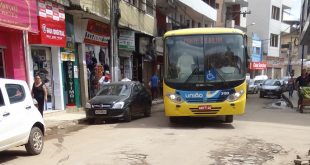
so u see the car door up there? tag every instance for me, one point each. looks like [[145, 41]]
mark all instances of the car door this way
[[14, 125], [136, 106]]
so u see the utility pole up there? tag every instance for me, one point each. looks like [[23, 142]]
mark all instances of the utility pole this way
[[114, 18]]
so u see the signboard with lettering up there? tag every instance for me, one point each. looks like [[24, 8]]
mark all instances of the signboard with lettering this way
[[126, 40], [258, 65], [97, 33], [52, 28], [69, 71], [21, 14]]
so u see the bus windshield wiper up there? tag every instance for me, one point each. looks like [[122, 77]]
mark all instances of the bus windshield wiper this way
[[196, 69], [220, 76]]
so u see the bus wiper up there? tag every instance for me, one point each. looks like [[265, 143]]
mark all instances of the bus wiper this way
[[220, 76], [191, 75]]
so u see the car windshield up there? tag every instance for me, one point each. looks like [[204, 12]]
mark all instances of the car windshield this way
[[272, 82], [114, 89], [205, 58]]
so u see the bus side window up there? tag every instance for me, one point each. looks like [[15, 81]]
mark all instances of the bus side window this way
[[1, 99]]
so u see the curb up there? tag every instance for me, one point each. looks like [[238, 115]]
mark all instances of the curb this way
[[50, 130], [288, 101]]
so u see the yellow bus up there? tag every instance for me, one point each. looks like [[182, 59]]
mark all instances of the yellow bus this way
[[205, 73]]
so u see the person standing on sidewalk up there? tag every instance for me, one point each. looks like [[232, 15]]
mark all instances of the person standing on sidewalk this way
[[291, 85], [154, 85], [39, 92]]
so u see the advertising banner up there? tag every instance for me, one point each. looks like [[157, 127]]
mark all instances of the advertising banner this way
[[52, 28], [97, 33], [21, 14]]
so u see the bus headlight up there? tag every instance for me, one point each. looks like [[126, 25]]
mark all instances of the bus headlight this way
[[235, 96], [175, 98]]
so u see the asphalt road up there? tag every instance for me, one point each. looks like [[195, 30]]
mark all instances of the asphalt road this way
[[263, 135]]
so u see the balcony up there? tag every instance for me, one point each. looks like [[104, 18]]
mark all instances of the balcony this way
[[242, 3], [287, 4], [202, 8]]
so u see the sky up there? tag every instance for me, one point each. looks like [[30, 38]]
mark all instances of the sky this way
[[295, 11]]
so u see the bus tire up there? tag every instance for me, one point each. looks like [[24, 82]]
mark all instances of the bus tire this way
[[229, 119]]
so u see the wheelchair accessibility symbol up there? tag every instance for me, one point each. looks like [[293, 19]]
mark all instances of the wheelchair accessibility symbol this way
[[210, 75]]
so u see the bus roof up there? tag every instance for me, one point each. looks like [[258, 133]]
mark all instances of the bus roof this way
[[193, 31]]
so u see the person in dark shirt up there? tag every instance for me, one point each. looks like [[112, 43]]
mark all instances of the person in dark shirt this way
[[303, 79]]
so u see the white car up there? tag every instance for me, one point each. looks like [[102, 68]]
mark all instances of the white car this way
[[20, 121]]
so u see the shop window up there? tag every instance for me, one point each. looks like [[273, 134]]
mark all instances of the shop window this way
[[16, 93]]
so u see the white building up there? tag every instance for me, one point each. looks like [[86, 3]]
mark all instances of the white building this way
[[268, 18]]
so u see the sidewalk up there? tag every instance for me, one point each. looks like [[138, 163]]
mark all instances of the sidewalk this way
[[61, 119]]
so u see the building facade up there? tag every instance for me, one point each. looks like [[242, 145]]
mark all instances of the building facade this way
[[269, 26]]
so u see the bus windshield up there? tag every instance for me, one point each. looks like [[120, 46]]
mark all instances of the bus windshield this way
[[208, 58]]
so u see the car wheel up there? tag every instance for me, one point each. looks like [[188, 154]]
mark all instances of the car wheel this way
[[147, 111], [91, 121], [35, 141], [229, 119], [128, 116]]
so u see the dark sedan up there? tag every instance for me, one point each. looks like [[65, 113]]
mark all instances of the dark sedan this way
[[271, 88], [120, 100]]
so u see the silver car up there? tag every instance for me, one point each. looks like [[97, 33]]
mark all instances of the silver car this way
[[253, 88]]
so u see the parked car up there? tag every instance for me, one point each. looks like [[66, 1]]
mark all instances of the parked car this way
[[271, 88], [120, 100], [253, 88], [20, 121], [259, 83]]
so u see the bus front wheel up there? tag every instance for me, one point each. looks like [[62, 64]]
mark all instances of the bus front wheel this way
[[174, 119], [229, 119]]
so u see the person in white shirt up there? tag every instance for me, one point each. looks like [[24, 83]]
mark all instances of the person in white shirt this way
[[185, 63]]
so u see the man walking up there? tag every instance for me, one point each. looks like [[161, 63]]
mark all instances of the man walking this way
[[154, 86]]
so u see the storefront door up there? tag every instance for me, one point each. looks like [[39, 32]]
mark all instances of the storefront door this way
[[2, 65], [42, 66]]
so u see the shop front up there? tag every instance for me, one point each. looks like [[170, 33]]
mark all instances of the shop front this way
[[96, 54], [126, 47], [16, 18], [45, 51]]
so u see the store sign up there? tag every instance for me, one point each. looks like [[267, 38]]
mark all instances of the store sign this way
[[69, 70], [67, 56], [21, 14], [97, 33], [277, 62], [258, 65], [52, 28], [126, 40]]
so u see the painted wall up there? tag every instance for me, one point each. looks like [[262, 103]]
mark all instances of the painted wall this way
[[12, 40], [133, 18]]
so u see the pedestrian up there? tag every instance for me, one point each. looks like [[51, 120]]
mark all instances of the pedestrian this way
[[303, 79], [154, 81], [105, 78], [39, 92], [291, 85]]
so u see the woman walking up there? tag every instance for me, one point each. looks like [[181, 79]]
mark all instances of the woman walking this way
[[39, 92]]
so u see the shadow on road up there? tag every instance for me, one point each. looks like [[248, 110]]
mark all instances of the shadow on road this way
[[9, 155]]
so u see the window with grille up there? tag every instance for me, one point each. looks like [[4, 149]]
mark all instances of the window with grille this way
[[275, 13], [149, 7], [274, 40]]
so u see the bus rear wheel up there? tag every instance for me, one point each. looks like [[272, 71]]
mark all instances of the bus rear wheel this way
[[229, 119]]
